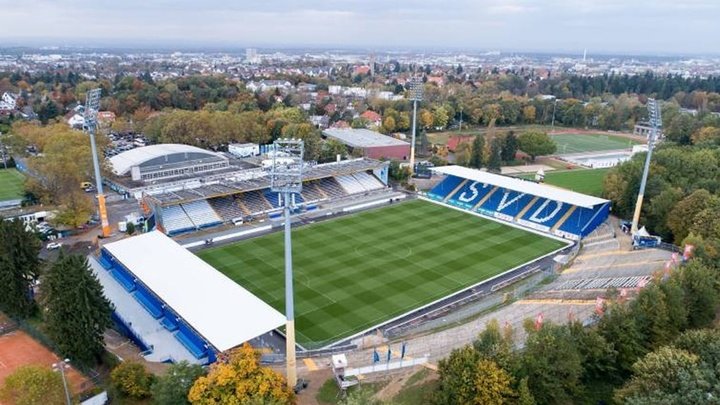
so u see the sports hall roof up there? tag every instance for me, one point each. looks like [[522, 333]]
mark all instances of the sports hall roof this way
[[173, 153], [363, 138], [524, 186], [220, 310]]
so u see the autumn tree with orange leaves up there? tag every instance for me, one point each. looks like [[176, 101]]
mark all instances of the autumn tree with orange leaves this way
[[239, 380]]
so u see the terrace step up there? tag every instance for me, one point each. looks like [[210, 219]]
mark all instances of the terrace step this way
[[487, 196], [527, 207], [563, 219], [452, 193]]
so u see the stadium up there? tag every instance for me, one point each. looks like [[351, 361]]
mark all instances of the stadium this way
[[366, 257]]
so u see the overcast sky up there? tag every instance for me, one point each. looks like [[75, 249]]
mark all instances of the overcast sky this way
[[601, 26]]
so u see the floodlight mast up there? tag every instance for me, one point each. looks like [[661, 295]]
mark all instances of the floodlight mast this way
[[416, 94], [655, 118], [92, 105], [286, 179]]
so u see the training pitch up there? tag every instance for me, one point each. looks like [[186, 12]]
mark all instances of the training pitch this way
[[586, 181], [358, 271], [11, 184], [578, 143]]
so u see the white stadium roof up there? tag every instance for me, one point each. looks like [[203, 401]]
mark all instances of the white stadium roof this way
[[524, 186], [220, 310], [122, 162], [362, 138]]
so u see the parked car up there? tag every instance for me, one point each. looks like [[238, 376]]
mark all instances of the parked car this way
[[54, 245]]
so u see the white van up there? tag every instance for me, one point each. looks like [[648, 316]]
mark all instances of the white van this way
[[237, 221]]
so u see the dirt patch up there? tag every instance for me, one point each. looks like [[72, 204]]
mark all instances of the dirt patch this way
[[18, 349], [317, 379]]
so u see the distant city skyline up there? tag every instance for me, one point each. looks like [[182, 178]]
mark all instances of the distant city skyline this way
[[642, 27]]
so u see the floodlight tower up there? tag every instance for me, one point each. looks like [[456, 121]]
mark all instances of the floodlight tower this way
[[416, 94], [286, 180], [655, 118], [92, 105]]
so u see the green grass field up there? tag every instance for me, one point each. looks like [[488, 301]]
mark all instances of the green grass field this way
[[11, 184], [355, 272], [578, 143], [586, 181]]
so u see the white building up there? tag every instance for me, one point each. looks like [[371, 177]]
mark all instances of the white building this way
[[8, 101]]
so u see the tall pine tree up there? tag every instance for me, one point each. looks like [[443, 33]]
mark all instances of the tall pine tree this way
[[476, 156], [509, 147], [19, 268], [77, 312], [495, 159]]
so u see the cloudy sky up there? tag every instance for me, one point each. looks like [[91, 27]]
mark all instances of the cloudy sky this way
[[602, 26]]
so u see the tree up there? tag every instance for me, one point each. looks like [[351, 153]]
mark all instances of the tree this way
[[492, 384], [525, 397], [331, 148], [476, 156], [240, 379], [458, 377], [19, 268], [509, 147], [76, 310], [529, 114], [670, 376], [701, 286], [495, 157], [497, 345], [552, 364], [388, 125], [536, 144], [441, 117], [130, 228], [426, 118], [462, 154], [33, 385], [172, 388], [132, 380], [619, 328], [683, 214]]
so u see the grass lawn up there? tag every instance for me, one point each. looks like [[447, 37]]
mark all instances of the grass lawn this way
[[577, 143], [586, 181], [11, 184], [357, 271]]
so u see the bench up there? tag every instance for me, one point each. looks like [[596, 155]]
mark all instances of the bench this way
[[190, 344], [150, 305], [123, 279]]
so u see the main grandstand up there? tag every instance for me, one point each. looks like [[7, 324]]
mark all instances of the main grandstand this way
[[544, 208], [176, 306], [246, 194], [183, 188]]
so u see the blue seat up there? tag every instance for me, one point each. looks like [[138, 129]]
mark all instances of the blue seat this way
[[512, 202], [546, 212], [149, 303], [577, 221], [445, 187], [192, 344], [169, 323], [470, 194], [124, 279], [105, 262]]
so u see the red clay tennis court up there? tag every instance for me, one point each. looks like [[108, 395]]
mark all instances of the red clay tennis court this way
[[18, 349]]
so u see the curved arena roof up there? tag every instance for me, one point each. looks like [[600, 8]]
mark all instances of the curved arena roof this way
[[158, 154]]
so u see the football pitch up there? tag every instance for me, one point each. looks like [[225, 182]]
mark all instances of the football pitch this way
[[355, 272], [11, 184], [578, 143], [586, 181]]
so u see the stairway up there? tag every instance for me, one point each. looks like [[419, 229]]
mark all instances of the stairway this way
[[527, 207], [487, 196], [452, 193], [564, 218]]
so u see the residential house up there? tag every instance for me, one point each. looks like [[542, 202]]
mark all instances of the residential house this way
[[372, 117]]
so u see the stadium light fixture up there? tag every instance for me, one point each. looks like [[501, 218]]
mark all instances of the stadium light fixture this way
[[61, 366], [655, 118], [416, 94], [92, 106], [286, 180]]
